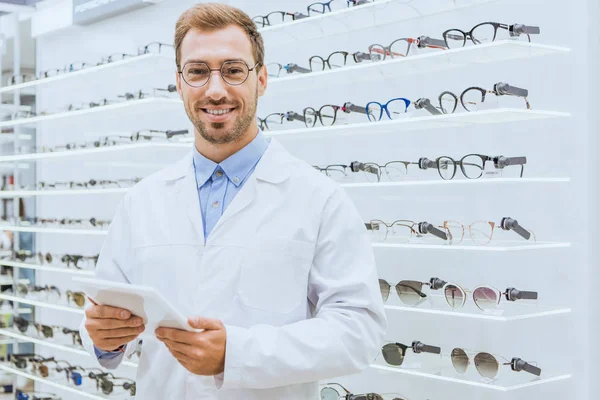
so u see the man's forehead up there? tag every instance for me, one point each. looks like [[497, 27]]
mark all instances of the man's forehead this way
[[217, 45]]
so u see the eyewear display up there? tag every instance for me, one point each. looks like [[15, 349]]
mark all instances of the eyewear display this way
[[154, 48], [394, 109], [396, 171], [330, 392], [21, 395], [106, 385], [274, 120], [337, 59], [394, 353], [234, 73], [472, 166], [24, 290], [78, 298], [18, 79], [487, 32], [334, 171], [404, 230], [148, 93], [401, 47], [326, 115], [276, 18], [122, 183], [46, 330], [76, 260], [482, 232], [487, 365], [473, 98]]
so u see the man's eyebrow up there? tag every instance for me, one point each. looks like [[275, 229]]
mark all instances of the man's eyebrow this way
[[198, 60]]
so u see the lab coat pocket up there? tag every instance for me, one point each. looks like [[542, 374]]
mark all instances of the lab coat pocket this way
[[274, 274]]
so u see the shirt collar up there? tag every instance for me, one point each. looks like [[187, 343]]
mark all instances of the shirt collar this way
[[236, 167]]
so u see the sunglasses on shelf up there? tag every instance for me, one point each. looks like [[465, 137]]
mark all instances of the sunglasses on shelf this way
[[394, 353], [488, 365], [331, 391]]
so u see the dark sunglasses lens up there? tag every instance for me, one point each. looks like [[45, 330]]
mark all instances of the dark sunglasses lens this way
[[47, 331], [393, 354], [329, 394], [107, 387], [460, 360], [384, 287], [408, 291], [486, 365]]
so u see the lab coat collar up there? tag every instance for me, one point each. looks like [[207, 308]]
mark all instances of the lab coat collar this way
[[273, 167]]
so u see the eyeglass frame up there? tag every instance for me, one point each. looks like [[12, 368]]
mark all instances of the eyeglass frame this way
[[211, 70], [496, 25]]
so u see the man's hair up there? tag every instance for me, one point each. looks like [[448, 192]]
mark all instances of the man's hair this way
[[215, 16]]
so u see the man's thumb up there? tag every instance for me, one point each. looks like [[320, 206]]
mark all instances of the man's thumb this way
[[205, 323]]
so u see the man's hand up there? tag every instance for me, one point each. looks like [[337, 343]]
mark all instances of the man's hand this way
[[201, 353], [111, 327]]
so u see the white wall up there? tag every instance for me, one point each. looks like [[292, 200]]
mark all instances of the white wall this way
[[553, 148]]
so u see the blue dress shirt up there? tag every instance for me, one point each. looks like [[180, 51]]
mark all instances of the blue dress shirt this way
[[217, 185]]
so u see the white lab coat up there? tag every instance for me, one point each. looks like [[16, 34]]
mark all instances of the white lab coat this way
[[288, 268]]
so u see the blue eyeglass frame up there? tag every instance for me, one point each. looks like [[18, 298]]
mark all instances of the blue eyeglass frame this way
[[385, 107]]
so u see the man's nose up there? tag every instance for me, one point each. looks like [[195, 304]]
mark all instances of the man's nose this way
[[216, 87]]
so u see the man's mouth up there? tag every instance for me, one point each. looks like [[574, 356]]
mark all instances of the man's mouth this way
[[211, 111]]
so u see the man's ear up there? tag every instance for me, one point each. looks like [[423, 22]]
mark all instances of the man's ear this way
[[263, 78], [178, 84]]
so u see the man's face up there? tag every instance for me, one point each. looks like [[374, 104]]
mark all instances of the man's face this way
[[238, 102]]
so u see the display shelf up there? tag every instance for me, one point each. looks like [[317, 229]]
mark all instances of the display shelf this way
[[90, 152], [436, 305], [66, 192], [453, 182], [450, 376], [416, 64], [144, 64], [47, 343], [122, 109], [40, 303], [347, 20], [495, 246], [71, 231], [49, 268], [50, 382], [8, 280], [457, 120]]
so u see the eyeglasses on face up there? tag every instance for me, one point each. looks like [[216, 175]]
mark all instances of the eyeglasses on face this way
[[487, 32], [488, 365], [234, 73]]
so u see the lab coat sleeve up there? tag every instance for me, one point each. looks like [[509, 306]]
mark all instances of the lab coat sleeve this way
[[113, 265], [349, 324]]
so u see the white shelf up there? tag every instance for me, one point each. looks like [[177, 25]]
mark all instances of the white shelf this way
[[454, 377], [66, 192], [39, 303], [381, 12], [418, 64], [8, 280], [146, 63], [499, 246], [99, 150], [124, 109], [70, 349], [72, 231], [457, 120], [453, 182], [65, 269], [70, 389], [507, 314]]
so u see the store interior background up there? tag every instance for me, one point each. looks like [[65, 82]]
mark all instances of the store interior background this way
[[557, 212]]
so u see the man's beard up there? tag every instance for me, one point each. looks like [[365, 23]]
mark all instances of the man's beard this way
[[219, 136]]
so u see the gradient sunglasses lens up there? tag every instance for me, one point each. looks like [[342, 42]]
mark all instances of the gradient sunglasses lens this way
[[485, 298], [486, 365], [460, 360], [393, 354], [409, 292], [384, 287], [454, 296]]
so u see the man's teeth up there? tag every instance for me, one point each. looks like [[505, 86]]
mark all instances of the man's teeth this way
[[218, 112]]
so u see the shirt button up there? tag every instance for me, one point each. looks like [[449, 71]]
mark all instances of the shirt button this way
[[236, 179], [219, 174], [215, 204]]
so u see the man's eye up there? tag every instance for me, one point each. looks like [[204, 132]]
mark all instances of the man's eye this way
[[197, 71], [233, 71]]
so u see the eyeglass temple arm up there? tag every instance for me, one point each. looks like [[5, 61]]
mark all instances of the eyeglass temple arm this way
[[426, 227], [421, 294], [508, 224], [436, 283], [361, 56], [297, 15], [170, 134], [517, 364], [291, 116], [348, 107], [425, 163], [291, 67], [426, 41], [513, 294], [503, 88], [356, 166], [500, 162], [426, 104], [419, 347], [520, 29]]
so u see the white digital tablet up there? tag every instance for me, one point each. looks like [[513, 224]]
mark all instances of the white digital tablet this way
[[143, 301]]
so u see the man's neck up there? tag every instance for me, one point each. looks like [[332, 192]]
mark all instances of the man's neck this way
[[219, 152]]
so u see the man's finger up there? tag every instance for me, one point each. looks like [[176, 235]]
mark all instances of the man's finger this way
[[176, 335], [107, 312], [107, 324], [112, 344], [120, 332], [181, 357], [181, 347], [205, 323]]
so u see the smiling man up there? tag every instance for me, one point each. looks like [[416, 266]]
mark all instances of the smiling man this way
[[266, 255]]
